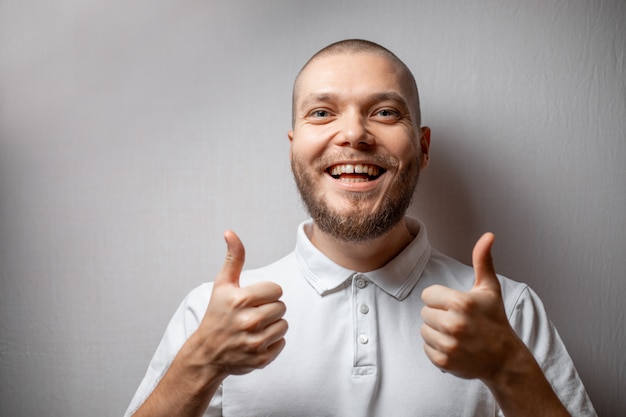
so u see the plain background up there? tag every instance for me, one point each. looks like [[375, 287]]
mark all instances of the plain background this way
[[133, 133]]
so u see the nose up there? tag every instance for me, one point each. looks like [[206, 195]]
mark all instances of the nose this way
[[354, 131]]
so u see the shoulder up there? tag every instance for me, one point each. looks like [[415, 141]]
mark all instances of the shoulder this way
[[279, 272]]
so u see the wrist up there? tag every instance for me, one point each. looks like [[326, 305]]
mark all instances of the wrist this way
[[521, 389], [186, 388], [513, 368], [195, 363]]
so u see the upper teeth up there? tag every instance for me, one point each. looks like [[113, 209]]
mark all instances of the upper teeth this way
[[371, 170]]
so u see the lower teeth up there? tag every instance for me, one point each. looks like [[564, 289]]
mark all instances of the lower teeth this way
[[353, 180]]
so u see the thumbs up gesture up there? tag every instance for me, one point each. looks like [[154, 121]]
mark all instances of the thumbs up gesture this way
[[467, 333], [242, 328]]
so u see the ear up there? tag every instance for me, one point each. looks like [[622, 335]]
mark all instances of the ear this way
[[424, 146], [290, 136]]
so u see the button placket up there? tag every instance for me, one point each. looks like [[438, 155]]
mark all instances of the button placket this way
[[365, 328]]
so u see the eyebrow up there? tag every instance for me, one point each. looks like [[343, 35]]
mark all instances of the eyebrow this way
[[316, 97], [375, 97], [388, 96]]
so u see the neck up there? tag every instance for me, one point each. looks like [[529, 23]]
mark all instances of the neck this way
[[362, 256]]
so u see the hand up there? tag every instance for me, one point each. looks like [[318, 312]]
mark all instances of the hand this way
[[242, 328], [467, 333]]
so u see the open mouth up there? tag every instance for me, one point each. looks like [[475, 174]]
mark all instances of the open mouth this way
[[355, 172]]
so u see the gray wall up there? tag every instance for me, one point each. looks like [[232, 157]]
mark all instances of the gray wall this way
[[132, 133]]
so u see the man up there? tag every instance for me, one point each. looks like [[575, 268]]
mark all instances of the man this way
[[380, 324]]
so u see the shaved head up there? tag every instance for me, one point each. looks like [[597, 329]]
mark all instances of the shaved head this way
[[360, 46]]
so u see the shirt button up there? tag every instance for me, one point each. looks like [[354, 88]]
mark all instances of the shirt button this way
[[363, 339], [361, 283], [364, 309]]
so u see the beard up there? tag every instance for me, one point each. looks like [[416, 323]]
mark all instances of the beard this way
[[354, 225]]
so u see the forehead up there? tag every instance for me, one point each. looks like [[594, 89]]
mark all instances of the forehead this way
[[350, 74]]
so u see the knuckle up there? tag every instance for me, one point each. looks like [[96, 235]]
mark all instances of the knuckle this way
[[256, 343], [272, 352], [281, 327], [247, 322], [282, 308], [442, 361], [450, 346], [239, 299], [260, 361], [456, 327], [285, 325], [279, 290], [462, 303]]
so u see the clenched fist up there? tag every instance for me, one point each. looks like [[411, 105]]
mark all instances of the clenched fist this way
[[467, 333], [242, 328]]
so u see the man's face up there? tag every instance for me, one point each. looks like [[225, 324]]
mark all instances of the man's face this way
[[356, 150]]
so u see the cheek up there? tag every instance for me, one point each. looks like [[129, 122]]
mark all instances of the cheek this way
[[304, 147], [409, 153], [309, 151], [314, 136]]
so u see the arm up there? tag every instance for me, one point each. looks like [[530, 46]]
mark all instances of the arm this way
[[521, 389], [468, 335], [242, 330]]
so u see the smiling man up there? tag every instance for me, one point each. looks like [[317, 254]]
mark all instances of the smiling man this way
[[356, 147], [380, 324]]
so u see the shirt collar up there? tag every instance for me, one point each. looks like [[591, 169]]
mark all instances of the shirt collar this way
[[397, 278]]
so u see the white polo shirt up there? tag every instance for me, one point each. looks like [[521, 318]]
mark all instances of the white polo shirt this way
[[354, 346]]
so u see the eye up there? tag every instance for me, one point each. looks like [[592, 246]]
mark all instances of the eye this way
[[320, 116], [386, 115], [319, 113]]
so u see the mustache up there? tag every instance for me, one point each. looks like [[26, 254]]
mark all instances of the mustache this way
[[382, 160]]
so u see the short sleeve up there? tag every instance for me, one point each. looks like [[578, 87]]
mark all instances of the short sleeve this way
[[530, 321], [183, 323]]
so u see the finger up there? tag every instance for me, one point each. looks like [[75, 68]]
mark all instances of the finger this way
[[233, 264], [483, 264], [265, 358], [437, 340], [435, 318], [260, 359], [271, 313], [277, 347], [276, 332], [258, 318], [439, 359], [438, 296], [260, 341], [260, 293]]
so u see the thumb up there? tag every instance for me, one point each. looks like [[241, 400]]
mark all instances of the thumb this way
[[483, 264], [233, 264]]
